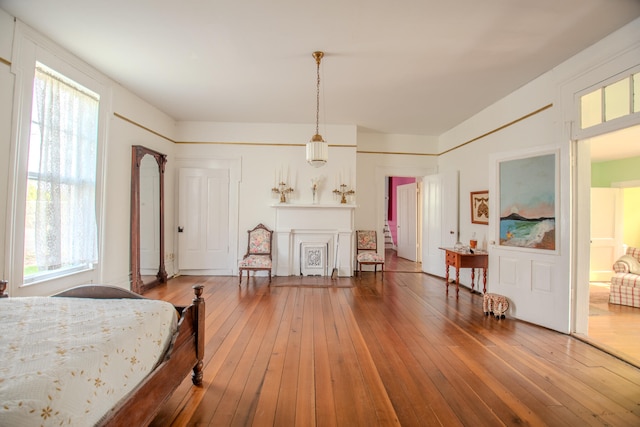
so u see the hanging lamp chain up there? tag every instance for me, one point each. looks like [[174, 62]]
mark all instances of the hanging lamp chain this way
[[318, 99], [318, 56]]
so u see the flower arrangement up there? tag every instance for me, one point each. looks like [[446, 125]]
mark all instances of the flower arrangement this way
[[315, 185]]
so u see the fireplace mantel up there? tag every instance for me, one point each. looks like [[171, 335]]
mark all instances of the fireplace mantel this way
[[313, 206], [328, 225]]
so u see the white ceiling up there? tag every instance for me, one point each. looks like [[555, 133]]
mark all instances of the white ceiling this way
[[409, 66], [617, 145]]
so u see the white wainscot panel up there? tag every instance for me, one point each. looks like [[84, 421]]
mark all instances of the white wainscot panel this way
[[541, 276], [507, 276]]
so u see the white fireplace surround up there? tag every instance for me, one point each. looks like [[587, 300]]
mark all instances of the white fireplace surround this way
[[299, 226]]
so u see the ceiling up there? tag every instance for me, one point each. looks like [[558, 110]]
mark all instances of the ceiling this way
[[616, 145], [415, 67]]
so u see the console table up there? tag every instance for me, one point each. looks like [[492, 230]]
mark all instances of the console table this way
[[459, 259]]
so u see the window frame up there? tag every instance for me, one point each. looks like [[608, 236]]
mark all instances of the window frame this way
[[31, 47], [605, 126]]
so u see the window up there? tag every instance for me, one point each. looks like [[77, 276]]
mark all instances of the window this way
[[612, 101], [61, 234]]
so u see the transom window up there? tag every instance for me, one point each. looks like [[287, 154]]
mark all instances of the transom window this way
[[612, 101]]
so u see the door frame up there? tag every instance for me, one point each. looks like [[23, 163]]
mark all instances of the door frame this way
[[381, 174], [601, 68], [581, 262]]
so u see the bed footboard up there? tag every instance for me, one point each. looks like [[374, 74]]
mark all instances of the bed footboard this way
[[185, 354]]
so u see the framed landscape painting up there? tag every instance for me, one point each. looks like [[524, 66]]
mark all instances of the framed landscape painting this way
[[527, 202]]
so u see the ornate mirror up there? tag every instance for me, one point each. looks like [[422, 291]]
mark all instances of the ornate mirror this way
[[147, 218]]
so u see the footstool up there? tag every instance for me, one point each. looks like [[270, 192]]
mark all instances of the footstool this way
[[495, 304]]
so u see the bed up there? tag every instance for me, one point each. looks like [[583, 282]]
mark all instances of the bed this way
[[95, 355]]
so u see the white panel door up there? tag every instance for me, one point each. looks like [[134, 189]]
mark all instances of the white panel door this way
[[203, 221], [440, 220], [534, 280], [407, 225], [606, 232]]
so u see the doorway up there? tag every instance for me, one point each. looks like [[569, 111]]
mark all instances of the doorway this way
[[402, 224], [615, 198]]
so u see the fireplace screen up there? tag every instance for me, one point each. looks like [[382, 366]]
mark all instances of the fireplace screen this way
[[313, 259]]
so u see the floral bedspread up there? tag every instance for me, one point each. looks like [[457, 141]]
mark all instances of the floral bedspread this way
[[67, 361]]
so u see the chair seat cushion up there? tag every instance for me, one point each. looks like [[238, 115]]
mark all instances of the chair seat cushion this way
[[370, 257], [256, 261], [624, 295]]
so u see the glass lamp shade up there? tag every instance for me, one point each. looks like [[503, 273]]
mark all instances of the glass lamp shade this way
[[317, 153]]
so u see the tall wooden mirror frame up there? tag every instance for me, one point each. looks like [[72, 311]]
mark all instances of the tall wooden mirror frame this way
[[137, 153]]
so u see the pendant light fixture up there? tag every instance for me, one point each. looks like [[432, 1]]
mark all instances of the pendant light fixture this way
[[317, 148]]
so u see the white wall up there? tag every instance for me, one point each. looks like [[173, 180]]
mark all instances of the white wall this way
[[476, 163], [263, 151], [549, 128], [121, 134], [380, 156], [473, 160]]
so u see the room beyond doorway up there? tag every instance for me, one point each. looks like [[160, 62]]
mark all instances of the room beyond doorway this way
[[612, 166], [394, 263], [402, 225], [613, 328]]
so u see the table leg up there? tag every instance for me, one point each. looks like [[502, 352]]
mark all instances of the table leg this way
[[484, 281], [473, 278], [457, 282], [446, 279]]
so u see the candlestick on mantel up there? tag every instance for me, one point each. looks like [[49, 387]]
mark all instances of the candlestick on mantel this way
[[282, 189], [343, 193]]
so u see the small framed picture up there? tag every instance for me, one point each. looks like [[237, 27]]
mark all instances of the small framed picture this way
[[480, 207]]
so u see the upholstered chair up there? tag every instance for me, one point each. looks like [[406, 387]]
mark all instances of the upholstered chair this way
[[367, 250], [258, 256]]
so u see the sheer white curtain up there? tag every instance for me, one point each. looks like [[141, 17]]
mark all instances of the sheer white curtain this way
[[61, 231]]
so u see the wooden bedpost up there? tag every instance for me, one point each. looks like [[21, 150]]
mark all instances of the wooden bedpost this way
[[3, 288], [198, 303]]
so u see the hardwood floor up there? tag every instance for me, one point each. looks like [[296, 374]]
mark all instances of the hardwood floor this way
[[612, 327], [395, 351], [392, 262]]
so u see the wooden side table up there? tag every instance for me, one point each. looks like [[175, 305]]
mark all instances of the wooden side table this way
[[458, 259]]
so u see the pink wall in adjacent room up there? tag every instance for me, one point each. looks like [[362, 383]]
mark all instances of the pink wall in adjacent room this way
[[394, 181]]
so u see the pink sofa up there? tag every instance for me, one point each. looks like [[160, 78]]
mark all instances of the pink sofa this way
[[625, 283]]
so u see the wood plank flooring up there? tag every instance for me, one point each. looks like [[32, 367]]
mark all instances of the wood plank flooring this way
[[614, 328], [378, 352]]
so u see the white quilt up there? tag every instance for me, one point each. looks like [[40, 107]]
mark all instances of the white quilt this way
[[67, 361]]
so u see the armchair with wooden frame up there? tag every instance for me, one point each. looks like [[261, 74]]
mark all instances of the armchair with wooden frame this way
[[258, 256]]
